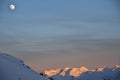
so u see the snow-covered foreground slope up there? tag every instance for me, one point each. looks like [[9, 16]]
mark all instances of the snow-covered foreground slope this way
[[12, 68], [84, 74]]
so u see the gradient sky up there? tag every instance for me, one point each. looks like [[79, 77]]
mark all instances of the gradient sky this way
[[50, 34]]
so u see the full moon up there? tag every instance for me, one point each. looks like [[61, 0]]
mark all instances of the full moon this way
[[12, 6]]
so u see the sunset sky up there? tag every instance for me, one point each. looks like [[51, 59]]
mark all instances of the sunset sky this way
[[50, 34]]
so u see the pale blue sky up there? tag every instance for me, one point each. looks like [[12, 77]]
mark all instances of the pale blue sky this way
[[59, 33]]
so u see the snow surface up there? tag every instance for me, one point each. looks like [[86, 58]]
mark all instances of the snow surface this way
[[12, 68]]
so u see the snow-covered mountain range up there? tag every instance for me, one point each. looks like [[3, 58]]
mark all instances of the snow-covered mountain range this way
[[12, 68], [84, 73]]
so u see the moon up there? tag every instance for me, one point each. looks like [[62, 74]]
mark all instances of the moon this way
[[12, 6]]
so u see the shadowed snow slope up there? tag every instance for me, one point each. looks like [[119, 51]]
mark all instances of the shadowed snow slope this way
[[12, 68]]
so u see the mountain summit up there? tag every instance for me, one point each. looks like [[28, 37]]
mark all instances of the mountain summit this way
[[66, 71]]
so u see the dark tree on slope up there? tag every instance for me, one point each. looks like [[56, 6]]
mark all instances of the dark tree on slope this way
[[42, 74]]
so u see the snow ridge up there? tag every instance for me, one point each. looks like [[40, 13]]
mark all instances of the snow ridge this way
[[12, 68]]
